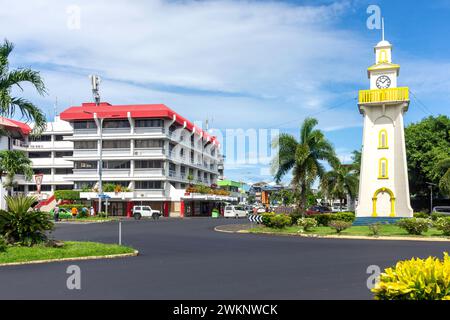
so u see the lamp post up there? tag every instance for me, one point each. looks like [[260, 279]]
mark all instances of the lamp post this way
[[431, 195]]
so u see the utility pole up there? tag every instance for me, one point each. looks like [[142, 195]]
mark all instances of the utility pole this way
[[431, 195]]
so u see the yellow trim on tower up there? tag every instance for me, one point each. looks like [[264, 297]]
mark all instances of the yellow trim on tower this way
[[380, 169], [383, 143], [375, 198]]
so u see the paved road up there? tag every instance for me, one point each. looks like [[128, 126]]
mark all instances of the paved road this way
[[186, 259]]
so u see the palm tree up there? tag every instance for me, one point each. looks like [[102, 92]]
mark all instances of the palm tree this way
[[303, 157], [444, 182], [16, 79], [356, 158], [340, 182], [14, 162]]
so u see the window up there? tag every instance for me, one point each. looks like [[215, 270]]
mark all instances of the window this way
[[85, 164], [85, 185], [124, 184], [44, 187], [116, 124], [91, 145], [42, 170], [64, 187], [63, 171], [148, 185], [39, 155], [60, 137], [147, 164], [116, 164], [140, 144], [383, 139], [383, 169], [116, 144], [148, 123], [60, 154], [41, 138], [84, 125]]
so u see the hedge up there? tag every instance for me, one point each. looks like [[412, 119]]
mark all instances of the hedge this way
[[67, 195], [325, 218]]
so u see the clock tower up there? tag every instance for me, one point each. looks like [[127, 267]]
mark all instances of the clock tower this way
[[384, 188]]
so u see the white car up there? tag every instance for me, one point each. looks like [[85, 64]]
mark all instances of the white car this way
[[145, 211], [235, 212]]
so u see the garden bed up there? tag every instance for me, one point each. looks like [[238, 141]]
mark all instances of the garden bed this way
[[70, 251]]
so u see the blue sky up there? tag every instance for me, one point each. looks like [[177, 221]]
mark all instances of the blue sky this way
[[241, 64]]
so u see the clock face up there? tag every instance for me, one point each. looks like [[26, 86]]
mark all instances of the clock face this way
[[383, 82]]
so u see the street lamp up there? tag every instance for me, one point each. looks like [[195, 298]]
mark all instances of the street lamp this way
[[431, 195]]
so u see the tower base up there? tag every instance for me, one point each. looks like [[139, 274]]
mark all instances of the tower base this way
[[365, 221]]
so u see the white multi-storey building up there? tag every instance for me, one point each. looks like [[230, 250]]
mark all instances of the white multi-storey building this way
[[148, 154]]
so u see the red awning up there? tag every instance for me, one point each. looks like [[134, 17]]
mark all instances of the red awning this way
[[15, 125]]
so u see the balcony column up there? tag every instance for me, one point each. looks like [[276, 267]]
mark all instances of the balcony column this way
[[132, 168]]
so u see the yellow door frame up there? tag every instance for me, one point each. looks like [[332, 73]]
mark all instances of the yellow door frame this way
[[375, 198]]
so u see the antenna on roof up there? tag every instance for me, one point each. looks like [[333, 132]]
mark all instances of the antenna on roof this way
[[95, 82]]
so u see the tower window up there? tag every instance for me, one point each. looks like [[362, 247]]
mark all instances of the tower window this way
[[383, 169], [383, 139]]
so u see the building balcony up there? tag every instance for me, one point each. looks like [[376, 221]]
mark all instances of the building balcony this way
[[383, 95]]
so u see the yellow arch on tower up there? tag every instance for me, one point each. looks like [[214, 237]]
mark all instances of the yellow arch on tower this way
[[375, 198]]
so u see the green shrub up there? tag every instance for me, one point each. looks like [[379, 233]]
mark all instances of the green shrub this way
[[415, 226], [21, 226], [73, 205], [415, 279], [443, 224], [82, 214], [307, 224], [3, 244], [65, 215], [67, 195], [278, 221], [422, 215], [295, 216], [436, 215], [325, 218], [375, 228], [339, 225]]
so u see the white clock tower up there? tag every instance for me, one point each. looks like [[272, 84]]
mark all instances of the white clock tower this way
[[384, 188]]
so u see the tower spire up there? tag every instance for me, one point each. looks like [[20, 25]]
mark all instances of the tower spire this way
[[382, 29]]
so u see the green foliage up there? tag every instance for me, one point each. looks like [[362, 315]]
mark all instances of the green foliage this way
[[443, 224], [375, 228], [65, 215], [15, 81], [427, 144], [67, 195], [83, 212], [325, 218], [339, 225], [415, 279], [21, 226], [14, 162], [444, 182], [422, 215], [3, 244], [340, 182], [277, 221], [437, 215], [295, 215], [307, 224], [303, 158], [70, 206], [415, 226]]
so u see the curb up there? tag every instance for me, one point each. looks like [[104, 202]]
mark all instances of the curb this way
[[110, 256], [435, 239]]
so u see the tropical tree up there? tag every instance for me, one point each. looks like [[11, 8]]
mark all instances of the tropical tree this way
[[10, 79], [14, 162], [356, 164], [444, 182], [340, 182], [303, 157]]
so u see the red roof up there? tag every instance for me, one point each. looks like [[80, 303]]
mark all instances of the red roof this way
[[14, 124], [107, 111]]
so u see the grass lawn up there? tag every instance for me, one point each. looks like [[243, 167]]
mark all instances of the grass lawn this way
[[88, 219], [70, 249], [386, 230]]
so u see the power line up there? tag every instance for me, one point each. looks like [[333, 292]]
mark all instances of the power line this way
[[421, 105], [314, 114]]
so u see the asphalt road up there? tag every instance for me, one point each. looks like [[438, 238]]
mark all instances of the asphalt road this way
[[187, 259]]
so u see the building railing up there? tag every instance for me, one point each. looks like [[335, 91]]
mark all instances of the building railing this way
[[384, 95]]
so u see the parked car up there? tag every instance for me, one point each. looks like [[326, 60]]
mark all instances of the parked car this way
[[318, 210], [260, 210], [235, 212], [337, 208], [249, 210], [145, 211], [442, 210]]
